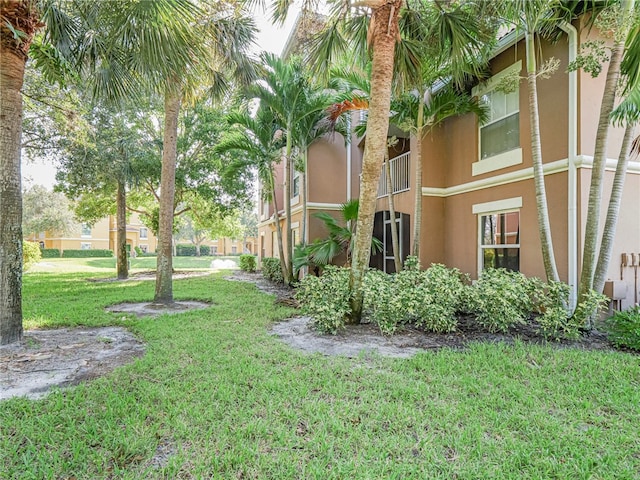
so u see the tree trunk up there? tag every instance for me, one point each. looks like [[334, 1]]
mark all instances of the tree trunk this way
[[609, 232], [544, 226], [164, 287], [392, 214], [597, 173], [303, 179], [288, 176], [384, 32], [122, 264], [417, 212], [11, 77], [283, 266]]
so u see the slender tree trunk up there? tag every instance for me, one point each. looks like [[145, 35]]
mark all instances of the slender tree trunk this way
[[288, 176], [303, 179], [544, 226], [384, 32], [164, 286], [609, 232], [283, 265], [597, 173], [122, 266], [417, 212], [392, 214], [11, 77]]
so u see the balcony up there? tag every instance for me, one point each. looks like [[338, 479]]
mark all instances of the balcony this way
[[400, 175]]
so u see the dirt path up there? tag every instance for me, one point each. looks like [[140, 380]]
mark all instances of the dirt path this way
[[63, 357]]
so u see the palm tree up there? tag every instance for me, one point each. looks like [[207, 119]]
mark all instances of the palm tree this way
[[589, 254], [286, 89], [417, 113], [260, 139]]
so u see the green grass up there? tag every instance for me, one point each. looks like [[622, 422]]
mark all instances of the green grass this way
[[235, 402], [58, 265]]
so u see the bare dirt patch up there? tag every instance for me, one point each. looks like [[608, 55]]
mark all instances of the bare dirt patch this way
[[356, 340], [63, 357], [146, 309], [284, 293]]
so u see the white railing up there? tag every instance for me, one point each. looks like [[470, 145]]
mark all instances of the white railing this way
[[399, 175]]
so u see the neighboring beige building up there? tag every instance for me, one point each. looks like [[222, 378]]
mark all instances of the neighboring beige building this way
[[478, 197]]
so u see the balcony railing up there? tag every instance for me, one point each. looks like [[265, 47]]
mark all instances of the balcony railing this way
[[399, 175]]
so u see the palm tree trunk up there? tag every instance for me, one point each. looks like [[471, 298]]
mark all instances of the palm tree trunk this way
[[392, 214], [384, 32], [288, 176], [544, 226], [303, 179], [609, 232], [597, 172], [164, 286], [11, 77], [417, 212], [122, 266], [283, 265]]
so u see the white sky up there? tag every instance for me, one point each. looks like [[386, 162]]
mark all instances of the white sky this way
[[270, 38]]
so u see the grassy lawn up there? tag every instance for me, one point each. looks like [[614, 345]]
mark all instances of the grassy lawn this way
[[230, 401], [109, 264]]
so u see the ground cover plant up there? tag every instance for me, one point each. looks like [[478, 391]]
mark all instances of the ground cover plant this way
[[216, 396]]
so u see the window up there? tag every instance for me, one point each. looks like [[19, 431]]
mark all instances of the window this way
[[501, 133], [500, 240], [234, 250], [296, 236], [85, 246], [144, 233], [296, 184], [86, 231], [213, 249], [274, 245]]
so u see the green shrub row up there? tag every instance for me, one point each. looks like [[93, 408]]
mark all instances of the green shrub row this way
[[50, 252], [624, 328], [86, 253], [271, 269], [247, 263], [433, 299], [31, 254], [187, 250]]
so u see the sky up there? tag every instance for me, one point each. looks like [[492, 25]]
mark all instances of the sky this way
[[270, 38]]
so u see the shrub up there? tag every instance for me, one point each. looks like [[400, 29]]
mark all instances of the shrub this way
[[86, 253], [429, 299], [185, 250], [248, 263], [623, 328], [50, 252], [326, 298], [271, 269], [30, 254], [139, 251], [500, 299]]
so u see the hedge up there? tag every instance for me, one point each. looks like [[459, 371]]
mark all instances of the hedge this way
[[86, 253], [50, 252], [248, 263], [271, 269], [186, 250]]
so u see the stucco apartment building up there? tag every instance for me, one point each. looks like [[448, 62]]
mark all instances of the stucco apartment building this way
[[478, 197]]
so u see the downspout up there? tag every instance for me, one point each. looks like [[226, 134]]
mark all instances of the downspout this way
[[572, 171]]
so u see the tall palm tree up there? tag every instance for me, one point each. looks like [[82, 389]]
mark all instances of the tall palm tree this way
[[286, 89], [260, 139]]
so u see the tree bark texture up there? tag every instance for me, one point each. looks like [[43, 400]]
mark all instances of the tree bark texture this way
[[383, 34], [164, 279], [609, 232], [288, 177], [544, 226], [12, 65], [283, 265], [417, 212], [597, 173], [122, 266]]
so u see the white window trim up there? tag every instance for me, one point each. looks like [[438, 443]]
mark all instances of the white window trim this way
[[504, 159], [506, 205], [296, 175]]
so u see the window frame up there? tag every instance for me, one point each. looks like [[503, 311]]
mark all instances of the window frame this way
[[502, 159], [84, 227]]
